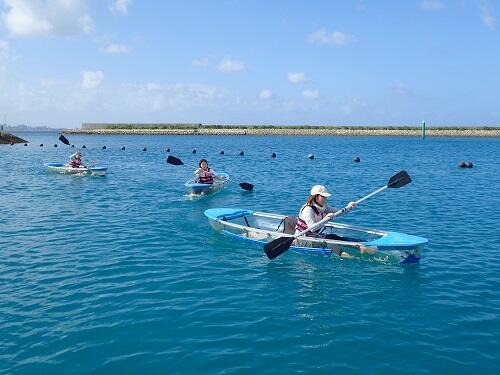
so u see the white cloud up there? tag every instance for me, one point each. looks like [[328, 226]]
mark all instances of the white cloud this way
[[46, 17], [201, 62], [114, 48], [297, 77], [4, 48], [120, 6], [265, 94], [487, 16], [431, 5], [323, 36], [229, 65], [310, 94], [92, 80]]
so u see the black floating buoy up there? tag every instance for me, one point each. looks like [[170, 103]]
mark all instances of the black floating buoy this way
[[221, 152], [168, 150], [310, 156], [12, 143], [123, 148], [84, 146], [55, 145], [357, 159], [144, 149], [469, 164], [273, 155], [41, 144], [25, 144], [194, 151], [242, 153], [104, 147], [72, 146], [462, 165]]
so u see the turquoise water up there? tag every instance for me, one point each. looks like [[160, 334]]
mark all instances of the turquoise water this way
[[123, 274]]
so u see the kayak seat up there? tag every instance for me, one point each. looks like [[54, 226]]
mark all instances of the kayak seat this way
[[288, 223]]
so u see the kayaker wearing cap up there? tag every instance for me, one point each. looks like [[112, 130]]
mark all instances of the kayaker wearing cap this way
[[75, 160], [205, 174], [316, 209]]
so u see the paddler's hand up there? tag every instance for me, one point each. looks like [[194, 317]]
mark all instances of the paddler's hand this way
[[351, 205], [329, 216]]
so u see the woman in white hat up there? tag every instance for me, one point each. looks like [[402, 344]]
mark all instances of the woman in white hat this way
[[316, 209]]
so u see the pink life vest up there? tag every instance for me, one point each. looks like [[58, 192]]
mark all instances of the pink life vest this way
[[75, 163], [302, 225], [208, 178]]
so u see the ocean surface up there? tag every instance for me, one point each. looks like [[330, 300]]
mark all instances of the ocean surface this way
[[122, 274]]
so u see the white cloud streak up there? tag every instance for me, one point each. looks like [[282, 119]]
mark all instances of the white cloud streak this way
[[120, 6], [92, 80], [310, 94], [431, 5], [115, 48], [26, 18], [297, 77], [487, 16], [229, 65], [323, 36], [204, 61]]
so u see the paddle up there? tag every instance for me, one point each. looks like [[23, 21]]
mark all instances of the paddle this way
[[176, 161], [64, 140], [279, 245]]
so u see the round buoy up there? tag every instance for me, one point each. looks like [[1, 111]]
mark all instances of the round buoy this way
[[273, 155], [469, 164], [41, 144], [221, 152], [357, 159], [84, 146], [194, 151], [72, 146], [123, 148], [25, 144], [310, 156], [461, 165], [144, 149], [104, 147], [12, 143], [242, 153], [168, 150], [55, 145]]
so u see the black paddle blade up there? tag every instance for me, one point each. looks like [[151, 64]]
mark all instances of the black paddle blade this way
[[399, 179], [63, 139], [246, 186], [173, 160], [278, 246]]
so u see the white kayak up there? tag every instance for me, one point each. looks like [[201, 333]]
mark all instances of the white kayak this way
[[66, 169]]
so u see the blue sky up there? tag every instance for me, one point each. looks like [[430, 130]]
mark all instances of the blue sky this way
[[64, 62]]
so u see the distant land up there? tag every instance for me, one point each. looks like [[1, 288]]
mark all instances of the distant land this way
[[293, 130], [29, 129]]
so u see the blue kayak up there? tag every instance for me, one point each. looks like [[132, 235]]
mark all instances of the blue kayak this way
[[194, 187], [369, 244]]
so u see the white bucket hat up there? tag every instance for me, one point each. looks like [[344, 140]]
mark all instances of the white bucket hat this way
[[321, 190]]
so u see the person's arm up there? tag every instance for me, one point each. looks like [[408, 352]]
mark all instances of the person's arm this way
[[331, 210], [199, 172], [307, 215]]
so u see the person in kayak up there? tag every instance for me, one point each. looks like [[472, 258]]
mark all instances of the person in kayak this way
[[205, 174], [315, 210], [75, 160]]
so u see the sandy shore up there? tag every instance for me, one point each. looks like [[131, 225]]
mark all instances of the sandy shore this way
[[410, 132]]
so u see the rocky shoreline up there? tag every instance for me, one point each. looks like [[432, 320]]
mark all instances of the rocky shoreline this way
[[283, 131], [7, 138]]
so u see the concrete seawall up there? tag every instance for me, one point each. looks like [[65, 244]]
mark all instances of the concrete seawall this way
[[413, 132]]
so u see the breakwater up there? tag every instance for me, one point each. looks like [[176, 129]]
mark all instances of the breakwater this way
[[6, 138], [291, 131]]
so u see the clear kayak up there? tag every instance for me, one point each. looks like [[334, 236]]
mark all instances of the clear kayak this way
[[194, 187], [66, 169], [369, 244]]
